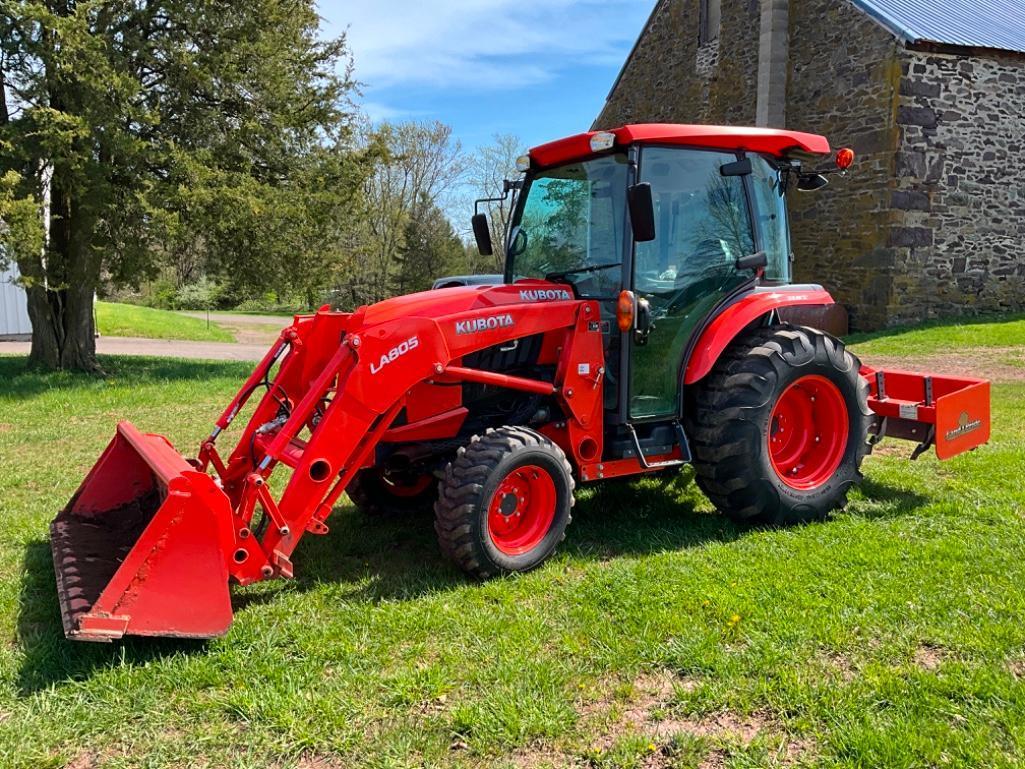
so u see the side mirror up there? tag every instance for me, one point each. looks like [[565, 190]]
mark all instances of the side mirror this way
[[642, 212], [737, 168], [482, 234], [811, 182], [756, 261]]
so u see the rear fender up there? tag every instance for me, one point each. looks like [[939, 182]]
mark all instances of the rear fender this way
[[735, 317]]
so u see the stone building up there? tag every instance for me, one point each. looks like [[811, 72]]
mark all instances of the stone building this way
[[929, 93]]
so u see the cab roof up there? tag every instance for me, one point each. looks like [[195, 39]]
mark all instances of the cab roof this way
[[770, 141]]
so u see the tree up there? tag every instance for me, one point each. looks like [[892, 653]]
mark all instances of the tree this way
[[431, 249], [156, 128], [21, 226], [421, 166], [492, 164]]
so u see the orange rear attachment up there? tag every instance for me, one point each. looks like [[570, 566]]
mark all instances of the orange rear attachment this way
[[950, 413], [139, 549]]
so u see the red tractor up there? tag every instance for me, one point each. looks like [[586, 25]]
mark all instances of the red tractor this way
[[640, 326]]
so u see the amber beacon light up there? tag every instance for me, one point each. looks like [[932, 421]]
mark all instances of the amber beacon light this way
[[844, 158]]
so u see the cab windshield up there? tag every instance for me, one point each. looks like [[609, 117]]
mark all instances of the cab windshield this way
[[569, 223]]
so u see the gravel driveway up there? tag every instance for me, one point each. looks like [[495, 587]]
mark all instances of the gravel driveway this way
[[164, 348]]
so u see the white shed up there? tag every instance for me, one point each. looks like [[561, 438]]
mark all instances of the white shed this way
[[14, 322]]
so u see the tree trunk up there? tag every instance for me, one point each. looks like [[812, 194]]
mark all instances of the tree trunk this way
[[60, 295], [63, 331]]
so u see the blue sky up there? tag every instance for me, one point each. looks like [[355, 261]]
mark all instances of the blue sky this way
[[539, 69]]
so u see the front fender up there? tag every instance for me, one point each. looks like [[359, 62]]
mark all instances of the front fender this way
[[737, 316]]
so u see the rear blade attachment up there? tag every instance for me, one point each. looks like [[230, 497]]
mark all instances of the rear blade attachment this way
[[951, 414], [141, 547]]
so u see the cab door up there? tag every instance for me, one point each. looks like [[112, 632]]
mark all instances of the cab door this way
[[702, 225]]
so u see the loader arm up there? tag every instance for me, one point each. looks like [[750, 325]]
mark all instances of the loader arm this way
[[344, 402], [329, 391]]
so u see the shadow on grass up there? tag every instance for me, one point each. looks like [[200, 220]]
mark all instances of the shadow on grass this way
[[19, 381], [389, 559], [49, 657], [897, 501]]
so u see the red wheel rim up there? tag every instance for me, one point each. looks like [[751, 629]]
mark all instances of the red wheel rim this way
[[406, 490], [808, 432], [522, 509]]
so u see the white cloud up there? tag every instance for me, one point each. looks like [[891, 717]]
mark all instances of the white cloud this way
[[479, 43], [377, 111]]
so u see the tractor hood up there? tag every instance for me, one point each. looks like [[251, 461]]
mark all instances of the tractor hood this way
[[451, 301]]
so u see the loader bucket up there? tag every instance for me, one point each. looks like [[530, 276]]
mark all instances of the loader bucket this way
[[140, 548]]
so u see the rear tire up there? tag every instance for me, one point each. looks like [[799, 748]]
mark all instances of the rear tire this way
[[779, 428], [375, 494], [504, 503]]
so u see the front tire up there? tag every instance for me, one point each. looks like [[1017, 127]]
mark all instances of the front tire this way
[[780, 427], [504, 502]]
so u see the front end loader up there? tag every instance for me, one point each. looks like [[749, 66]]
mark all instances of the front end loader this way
[[638, 328]]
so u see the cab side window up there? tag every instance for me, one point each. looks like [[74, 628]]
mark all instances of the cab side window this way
[[771, 218], [701, 217]]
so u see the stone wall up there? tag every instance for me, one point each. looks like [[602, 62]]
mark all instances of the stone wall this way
[[931, 219], [671, 79], [960, 188], [844, 83]]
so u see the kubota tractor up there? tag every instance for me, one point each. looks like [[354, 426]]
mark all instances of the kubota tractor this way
[[640, 326]]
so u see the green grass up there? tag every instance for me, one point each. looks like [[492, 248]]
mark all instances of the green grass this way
[[133, 320], [892, 635], [943, 337]]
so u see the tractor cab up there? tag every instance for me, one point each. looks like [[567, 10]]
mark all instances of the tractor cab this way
[[665, 228]]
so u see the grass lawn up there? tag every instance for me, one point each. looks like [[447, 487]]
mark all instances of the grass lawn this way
[[661, 635], [943, 337], [132, 320]]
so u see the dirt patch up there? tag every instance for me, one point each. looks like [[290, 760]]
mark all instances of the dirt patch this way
[[252, 334], [649, 711], [543, 757], [999, 364], [716, 759], [248, 329], [646, 707], [838, 665], [5, 428], [929, 657], [318, 762], [893, 448], [1016, 668], [82, 761]]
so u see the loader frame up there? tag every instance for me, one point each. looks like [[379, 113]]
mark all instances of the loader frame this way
[[352, 396]]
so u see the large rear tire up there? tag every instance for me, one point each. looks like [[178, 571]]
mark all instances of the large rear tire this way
[[504, 502], [779, 428]]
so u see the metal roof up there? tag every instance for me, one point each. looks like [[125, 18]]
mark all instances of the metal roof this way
[[996, 24]]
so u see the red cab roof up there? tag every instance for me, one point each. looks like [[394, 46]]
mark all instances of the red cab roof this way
[[772, 141]]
